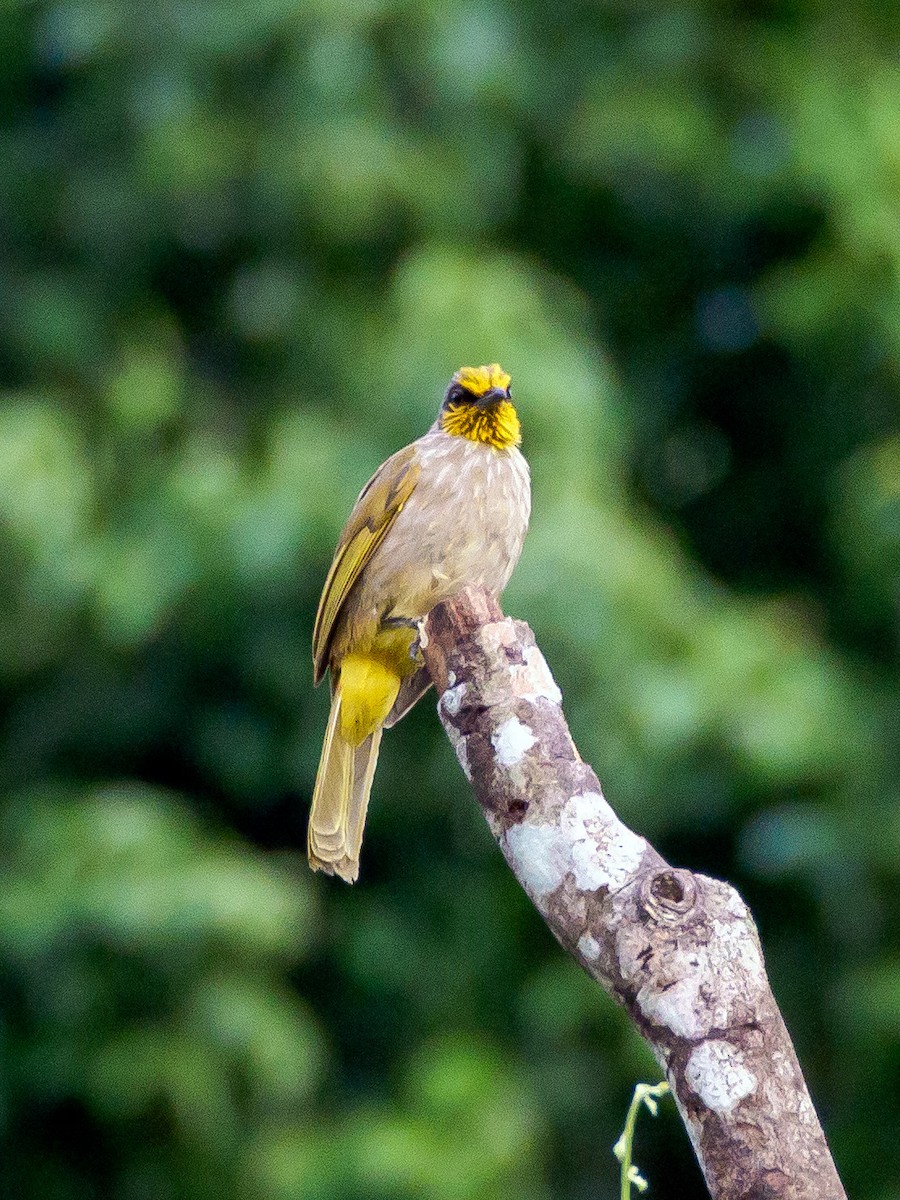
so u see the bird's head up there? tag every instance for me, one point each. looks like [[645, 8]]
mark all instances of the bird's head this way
[[477, 406]]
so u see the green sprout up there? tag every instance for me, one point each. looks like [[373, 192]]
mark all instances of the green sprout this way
[[648, 1094]]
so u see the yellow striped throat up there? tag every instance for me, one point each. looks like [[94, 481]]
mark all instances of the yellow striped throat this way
[[478, 406]]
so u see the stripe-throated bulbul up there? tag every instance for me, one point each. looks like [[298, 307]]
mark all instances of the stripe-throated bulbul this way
[[448, 511]]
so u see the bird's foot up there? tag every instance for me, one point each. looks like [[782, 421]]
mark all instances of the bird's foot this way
[[421, 641], [416, 623]]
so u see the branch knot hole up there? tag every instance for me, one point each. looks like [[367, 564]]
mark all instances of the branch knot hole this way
[[668, 895]]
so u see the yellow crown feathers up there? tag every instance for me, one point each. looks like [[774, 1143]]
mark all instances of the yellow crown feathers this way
[[480, 380]]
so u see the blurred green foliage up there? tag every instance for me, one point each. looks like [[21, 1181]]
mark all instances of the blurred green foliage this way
[[244, 246]]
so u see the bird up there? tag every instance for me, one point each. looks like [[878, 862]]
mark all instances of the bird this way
[[448, 511]]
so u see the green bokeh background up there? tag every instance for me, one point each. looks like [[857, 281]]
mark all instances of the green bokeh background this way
[[242, 248]]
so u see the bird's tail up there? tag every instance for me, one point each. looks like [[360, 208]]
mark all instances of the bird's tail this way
[[346, 768]]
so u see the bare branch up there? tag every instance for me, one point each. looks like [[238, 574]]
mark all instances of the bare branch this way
[[679, 950]]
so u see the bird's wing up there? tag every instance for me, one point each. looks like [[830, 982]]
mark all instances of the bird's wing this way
[[374, 513], [412, 689]]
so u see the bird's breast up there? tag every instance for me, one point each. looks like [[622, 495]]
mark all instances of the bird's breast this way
[[464, 525]]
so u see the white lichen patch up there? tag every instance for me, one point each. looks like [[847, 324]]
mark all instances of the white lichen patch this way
[[462, 754], [512, 741], [717, 1072], [604, 852], [589, 947], [591, 809], [452, 698], [735, 906], [698, 986], [589, 843], [533, 681], [679, 1008], [537, 855], [740, 946], [496, 636]]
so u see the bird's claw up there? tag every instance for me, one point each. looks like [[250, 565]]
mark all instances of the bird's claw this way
[[420, 641]]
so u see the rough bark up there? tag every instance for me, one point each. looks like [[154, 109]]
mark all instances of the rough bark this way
[[679, 950]]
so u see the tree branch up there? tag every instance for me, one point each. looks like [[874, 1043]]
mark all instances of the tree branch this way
[[680, 951]]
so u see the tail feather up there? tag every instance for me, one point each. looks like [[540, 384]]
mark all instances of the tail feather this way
[[411, 690], [365, 759], [340, 799]]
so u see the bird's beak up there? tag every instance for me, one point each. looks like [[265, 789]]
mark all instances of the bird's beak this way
[[492, 396]]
